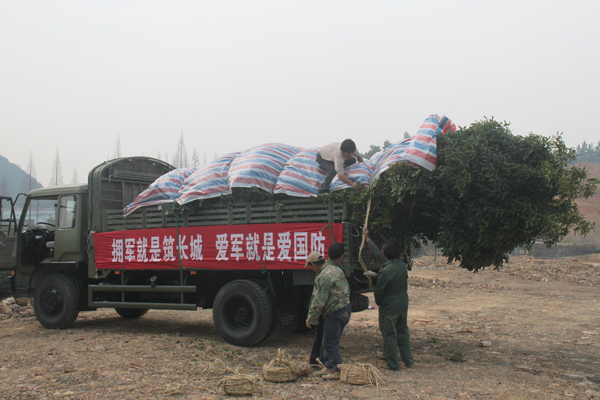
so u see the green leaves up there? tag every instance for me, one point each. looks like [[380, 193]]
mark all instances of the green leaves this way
[[492, 191]]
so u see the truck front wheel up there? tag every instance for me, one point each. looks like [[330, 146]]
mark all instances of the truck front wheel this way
[[243, 313], [55, 301]]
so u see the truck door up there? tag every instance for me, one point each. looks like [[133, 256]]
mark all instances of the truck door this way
[[8, 234], [67, 239]]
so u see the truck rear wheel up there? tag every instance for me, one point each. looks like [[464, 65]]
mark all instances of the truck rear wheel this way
[[131, 313], [243, 313], [55, 301]]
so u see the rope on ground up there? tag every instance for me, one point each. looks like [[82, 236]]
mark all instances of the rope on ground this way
[[361, 374], [218, 367], [240, 383], [283, 368], [362, 244]]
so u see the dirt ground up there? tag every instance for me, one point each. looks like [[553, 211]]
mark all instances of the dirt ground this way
[[528, 331]]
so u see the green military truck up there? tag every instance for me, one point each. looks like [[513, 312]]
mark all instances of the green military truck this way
[[71, 249]]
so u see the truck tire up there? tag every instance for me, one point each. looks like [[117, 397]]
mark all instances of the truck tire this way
[[55, 301], [243, 313], [265, 286], [359, 302], [131, 313]]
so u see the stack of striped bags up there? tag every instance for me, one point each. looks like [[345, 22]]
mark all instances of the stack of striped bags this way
[[294, 171]]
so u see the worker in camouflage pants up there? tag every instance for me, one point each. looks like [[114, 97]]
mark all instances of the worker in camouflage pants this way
[[330, 299], [391, 295]]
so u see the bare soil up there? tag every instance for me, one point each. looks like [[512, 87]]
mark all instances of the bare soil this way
[[528, 331]]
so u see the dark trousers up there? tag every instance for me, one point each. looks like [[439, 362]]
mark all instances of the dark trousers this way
[[329, 166], [317, 345], [394, 330], [334, 325]]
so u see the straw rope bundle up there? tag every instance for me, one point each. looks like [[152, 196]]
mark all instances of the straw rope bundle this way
[[361, 374], [283, 368], [240, 383], [218, 367]]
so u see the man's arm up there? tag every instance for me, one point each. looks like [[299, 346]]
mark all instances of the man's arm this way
[[319, 297], [373, 247], [347, 180], [375, 250]]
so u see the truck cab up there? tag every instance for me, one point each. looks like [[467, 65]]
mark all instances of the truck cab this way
[[49, 233], [46, 236]]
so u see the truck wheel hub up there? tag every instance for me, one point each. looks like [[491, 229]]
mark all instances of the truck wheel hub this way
[[52, 301], [238, 314]]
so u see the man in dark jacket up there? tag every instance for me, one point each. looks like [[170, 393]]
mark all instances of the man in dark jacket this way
[[391, 295]]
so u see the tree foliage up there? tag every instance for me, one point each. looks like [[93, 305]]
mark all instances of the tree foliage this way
[[491, 192]]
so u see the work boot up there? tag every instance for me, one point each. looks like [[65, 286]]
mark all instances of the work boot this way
[[334, 376], [324, 371]]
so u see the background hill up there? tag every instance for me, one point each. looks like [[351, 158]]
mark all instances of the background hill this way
[[13, 180]]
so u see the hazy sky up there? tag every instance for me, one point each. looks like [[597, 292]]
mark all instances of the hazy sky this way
[[234, 74]]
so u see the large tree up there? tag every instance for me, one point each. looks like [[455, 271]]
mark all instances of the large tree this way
[[491, 192], [195, 159], [74, 178], [117, 153], [56, 178], [30, 179], [180, 159]]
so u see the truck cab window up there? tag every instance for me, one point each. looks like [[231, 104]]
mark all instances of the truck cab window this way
[[66, 214]]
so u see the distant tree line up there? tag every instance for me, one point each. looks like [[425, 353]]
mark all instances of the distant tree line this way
[[374, 148], [587, 152]]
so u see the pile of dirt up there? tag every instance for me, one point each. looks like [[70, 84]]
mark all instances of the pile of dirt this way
[[578, 270], [16, 308], [583, 270]]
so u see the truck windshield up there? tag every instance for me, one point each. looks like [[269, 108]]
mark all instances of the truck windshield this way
[[41, 212]]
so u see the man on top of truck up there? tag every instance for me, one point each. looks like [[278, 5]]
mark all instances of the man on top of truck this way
[[333, 158]]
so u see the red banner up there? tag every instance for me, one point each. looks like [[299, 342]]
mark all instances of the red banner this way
[[254, 246]]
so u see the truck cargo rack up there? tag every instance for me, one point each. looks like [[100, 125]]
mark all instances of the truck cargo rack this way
[[289, 211]]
